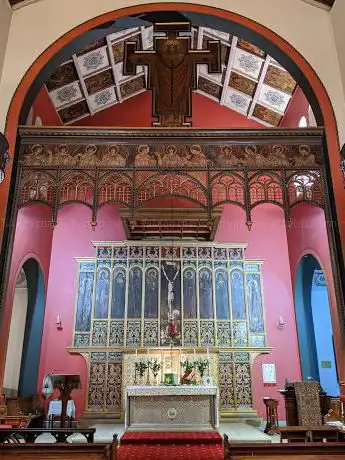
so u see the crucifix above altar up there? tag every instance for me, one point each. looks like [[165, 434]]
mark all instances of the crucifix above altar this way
[[172, 76]]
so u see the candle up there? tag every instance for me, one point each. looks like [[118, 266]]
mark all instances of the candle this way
[[208, 352], [136, 352], [194, 353]]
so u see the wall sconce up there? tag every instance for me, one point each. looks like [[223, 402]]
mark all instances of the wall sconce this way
[[58, 322], [280, 322]]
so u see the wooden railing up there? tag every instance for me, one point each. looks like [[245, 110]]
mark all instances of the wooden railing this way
[[31, 434], [72, 451], [290, 451]]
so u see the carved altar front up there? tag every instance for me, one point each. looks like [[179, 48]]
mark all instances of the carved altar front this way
[[171, 408]]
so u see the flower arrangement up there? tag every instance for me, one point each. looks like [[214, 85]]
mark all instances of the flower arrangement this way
[[202, 365], [187, 365], [155, 366], [141, 366]]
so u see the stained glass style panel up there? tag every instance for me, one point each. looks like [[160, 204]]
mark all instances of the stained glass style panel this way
[[205, 293], [189, 293], [102, 292], [84, 303], [135, 293], [222, 294], [119, 293], [151, 292], [237, 294], [254, 299]]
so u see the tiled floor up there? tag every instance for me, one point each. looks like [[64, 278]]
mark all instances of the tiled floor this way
[[237, 432]]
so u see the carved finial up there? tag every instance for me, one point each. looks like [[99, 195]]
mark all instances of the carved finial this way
[[249, 224]]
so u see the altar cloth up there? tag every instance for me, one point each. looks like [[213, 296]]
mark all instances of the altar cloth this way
[[171, 408]]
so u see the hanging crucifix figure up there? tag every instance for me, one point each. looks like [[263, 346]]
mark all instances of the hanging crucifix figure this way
[[172, 71]]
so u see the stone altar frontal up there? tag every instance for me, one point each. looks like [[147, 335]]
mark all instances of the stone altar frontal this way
[[171, 408]]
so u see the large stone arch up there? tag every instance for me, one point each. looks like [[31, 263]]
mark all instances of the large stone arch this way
[[294, 61]]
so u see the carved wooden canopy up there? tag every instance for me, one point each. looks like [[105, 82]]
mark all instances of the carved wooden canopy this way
[[171, 182]]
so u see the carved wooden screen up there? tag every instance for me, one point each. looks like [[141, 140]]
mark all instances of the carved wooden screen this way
[[215, 294]]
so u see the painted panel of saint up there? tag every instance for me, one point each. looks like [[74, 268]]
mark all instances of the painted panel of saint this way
[[189, 293], [237, 294], [254, 299], [205, 293], [222, 294], [119, 293], [102, 293], [151, 293], [84, 303], [135, 290]]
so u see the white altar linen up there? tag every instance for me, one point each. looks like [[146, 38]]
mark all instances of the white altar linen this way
[[171, 408], [55, 408]]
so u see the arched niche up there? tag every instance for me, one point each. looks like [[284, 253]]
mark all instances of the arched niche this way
[[314, 327], [26, 328]]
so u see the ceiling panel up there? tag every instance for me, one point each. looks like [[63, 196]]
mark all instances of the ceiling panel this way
[[250, 81]]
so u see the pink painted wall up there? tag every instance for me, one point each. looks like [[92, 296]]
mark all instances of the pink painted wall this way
[[137, 112], [298, 107], [267, 240], [33, 239], [44, 108], [308, 235], [72, 238]]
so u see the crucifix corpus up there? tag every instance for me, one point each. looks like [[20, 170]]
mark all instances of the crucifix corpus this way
[[172, 71]]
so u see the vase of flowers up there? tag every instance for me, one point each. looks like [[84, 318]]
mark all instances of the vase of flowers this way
[[155, 367], [140, 368], [188, 376], [201, 364]]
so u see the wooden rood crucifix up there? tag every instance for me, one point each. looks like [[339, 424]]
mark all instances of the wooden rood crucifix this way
[[172, 71]]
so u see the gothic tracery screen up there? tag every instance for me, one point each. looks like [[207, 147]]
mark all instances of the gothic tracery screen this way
[[127, 291]]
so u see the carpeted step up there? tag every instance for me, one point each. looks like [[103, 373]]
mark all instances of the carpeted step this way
[[170, 452], [141, 437]]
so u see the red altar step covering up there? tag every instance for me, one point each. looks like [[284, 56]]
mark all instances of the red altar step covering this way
[[171, 445], [171, 437]]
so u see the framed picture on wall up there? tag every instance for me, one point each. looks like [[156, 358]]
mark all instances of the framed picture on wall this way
[[269, 373]]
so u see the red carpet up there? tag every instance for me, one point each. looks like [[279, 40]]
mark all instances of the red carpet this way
[[171, 437], [171, 445]]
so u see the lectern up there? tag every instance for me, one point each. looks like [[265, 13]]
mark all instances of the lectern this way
[[65, 384]]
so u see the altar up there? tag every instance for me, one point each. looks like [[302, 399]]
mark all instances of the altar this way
[[171, 408]]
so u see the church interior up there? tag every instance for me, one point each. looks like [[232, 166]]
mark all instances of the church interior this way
[[172, 228]]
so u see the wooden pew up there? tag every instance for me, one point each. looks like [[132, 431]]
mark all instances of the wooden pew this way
[[289, 451], [30, 434], [67, 451]]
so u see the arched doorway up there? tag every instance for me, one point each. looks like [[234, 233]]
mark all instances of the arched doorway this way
[[314, 327], [24, 347]]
